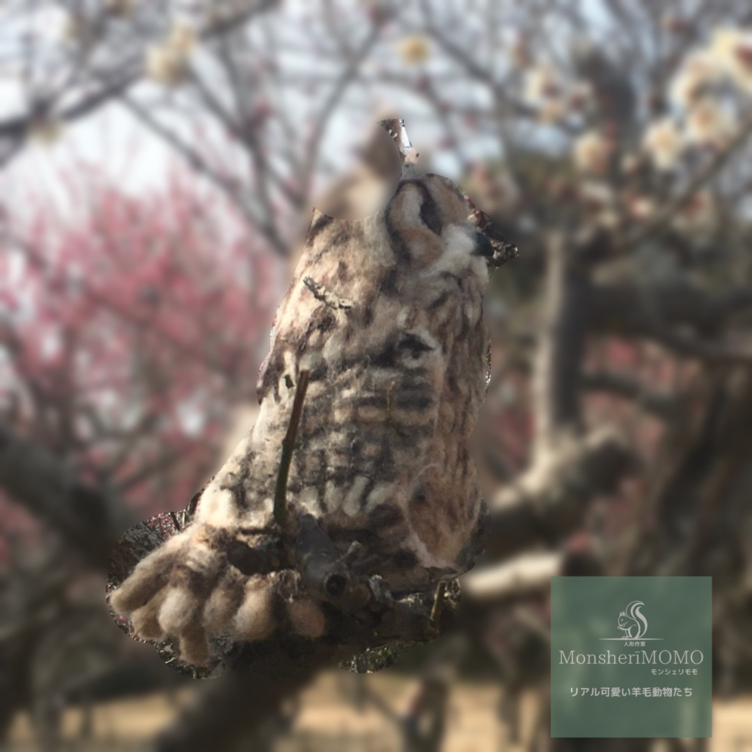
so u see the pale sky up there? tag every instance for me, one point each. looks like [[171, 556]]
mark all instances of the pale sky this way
[[129, 155]]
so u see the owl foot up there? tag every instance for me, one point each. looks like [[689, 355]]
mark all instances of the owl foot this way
[[188, 590]]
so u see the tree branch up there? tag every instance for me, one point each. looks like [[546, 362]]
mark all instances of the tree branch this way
[[522, 576], [230, 708], [660, 404], [89, 519], [550, 499], [632, 309], [560, 348], [17, 129]]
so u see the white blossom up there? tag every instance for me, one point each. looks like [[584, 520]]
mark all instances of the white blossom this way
[[698, 218], [597, 193], [543, 84], [580, 96], [591, 152], [698, 71], [708, 124], [495, 192], [733, 50], [640, 207], [553, 110], [663, 143], [167, 62], [544, 88], [414, 49], [630, 163], [599, 201]]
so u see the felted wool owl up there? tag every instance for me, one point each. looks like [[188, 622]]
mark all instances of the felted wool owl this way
[[368, 397]]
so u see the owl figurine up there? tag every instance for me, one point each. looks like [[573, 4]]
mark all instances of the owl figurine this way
[[383, 322]]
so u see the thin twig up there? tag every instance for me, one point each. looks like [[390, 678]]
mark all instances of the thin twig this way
[[326, 296], [438, 602], [288, 445]]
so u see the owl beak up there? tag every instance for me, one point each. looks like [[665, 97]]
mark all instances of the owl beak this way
[[483, 247], [496, 251]]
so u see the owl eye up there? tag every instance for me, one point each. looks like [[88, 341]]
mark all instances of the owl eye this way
[[430, 214], [413, 345]]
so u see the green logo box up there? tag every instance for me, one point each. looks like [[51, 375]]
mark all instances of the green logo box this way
[[631, 657]]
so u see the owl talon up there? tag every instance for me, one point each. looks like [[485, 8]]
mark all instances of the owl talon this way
[[194, 646], [148, 578], [145, 620]]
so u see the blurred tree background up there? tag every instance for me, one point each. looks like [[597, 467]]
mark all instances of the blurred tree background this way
[[158, 161]]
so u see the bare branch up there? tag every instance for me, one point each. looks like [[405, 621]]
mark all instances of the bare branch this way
[[18, 128], [522, 576], [660, 404], [560, 348], [724, 352], [231, 707], [635, 310], [549, 500], [14, 131], [90, 519]]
